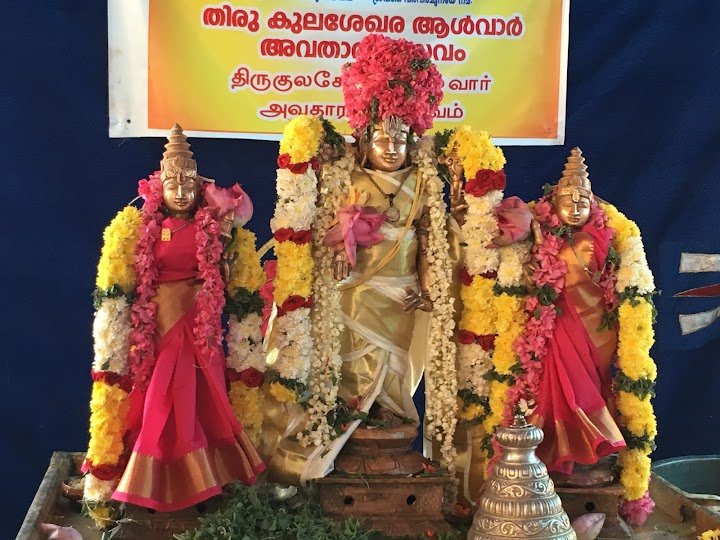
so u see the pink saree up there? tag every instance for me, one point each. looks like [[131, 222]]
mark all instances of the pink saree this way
[[574, 403], [186, 442]]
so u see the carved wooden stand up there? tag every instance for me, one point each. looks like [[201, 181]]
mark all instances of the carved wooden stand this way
[[373, 482], [581, 500], [396, 506]]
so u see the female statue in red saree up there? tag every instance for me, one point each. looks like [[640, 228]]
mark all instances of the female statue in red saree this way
[[163, 431]]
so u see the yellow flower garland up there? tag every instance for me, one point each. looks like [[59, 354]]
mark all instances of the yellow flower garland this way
[[301, 138], [476, 151], [478, 306], [637, 372], [248, 406], [282, 393], [247, 272], [510, 322], [109, 407], [117, 259], [294, 271], [713, 534]]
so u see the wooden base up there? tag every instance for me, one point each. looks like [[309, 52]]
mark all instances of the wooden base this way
[[381, 451], [605, 499], [396, 506]]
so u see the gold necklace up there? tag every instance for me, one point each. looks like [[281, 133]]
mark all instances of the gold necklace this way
[[166, 233], [392, 213]]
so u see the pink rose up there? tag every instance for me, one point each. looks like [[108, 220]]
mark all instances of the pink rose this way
[[357, 225], [219, 201], [513, 219]]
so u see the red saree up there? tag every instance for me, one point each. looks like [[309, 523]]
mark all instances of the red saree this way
[[186, 442], [574, 402]]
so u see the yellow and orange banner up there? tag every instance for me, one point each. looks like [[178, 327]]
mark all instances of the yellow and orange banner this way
[[243, 68]]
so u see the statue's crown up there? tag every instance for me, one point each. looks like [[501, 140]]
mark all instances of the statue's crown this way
[[575, 180], [177, 155]]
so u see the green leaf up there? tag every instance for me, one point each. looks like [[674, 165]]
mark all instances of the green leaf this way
[[242, 303], [513, 290], [115, 291], [546, 295], [642, 387]]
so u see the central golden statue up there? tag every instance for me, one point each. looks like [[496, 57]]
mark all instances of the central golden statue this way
[[382, 263]]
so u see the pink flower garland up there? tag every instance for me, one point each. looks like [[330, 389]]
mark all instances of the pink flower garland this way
[[531, 346], [210, 298], [636, 512], [142, 316]]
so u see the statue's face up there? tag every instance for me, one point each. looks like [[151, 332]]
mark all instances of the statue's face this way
[[572, 210], [180, 193], [388, 145]]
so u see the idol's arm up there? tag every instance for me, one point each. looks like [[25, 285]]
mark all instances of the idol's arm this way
[[413, 300]]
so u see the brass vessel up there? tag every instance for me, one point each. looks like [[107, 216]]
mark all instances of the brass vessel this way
[[518, 500]]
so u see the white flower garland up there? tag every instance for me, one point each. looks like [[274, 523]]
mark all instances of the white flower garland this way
[[510, 272], [474, 362], [478, 230], [440, 372], [111, 335], [296, 199], [295, 209], [244, 341], [99, 490], [634, 270], [294, 343], [326, 326]]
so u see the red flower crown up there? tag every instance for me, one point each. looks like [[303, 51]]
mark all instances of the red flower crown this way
[[391, 77]]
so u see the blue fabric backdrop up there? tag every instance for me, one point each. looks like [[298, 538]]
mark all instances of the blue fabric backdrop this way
[[642, 101]]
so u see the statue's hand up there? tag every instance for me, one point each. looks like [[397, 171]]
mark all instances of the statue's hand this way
[[226, 225], [414, 301], [537, 233], [458, 210], [341, 265]]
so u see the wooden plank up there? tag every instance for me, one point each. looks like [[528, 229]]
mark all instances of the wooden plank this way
[[43, 505]]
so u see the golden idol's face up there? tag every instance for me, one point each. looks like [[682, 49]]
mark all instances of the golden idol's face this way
[[387, 148], [572, 211], [180, 194]]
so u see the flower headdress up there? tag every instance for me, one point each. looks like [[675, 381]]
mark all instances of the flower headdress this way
[[391, 78]]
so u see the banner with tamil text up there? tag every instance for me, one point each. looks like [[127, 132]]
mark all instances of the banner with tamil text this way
[[243, 68]]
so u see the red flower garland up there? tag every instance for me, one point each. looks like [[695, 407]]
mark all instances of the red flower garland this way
[[485, 181]]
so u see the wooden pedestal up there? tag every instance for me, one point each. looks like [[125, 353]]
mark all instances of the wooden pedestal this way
[[396, 506], [606, 500]]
